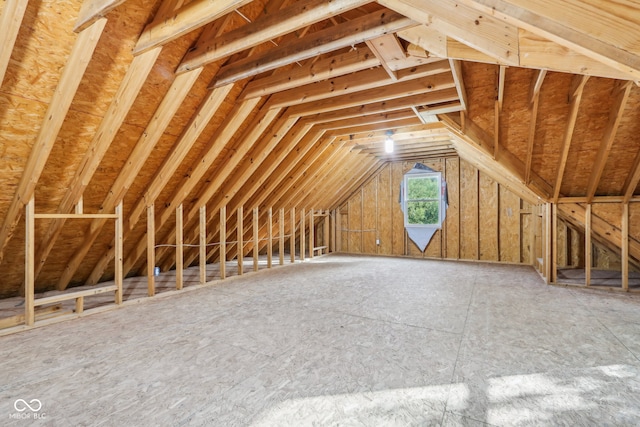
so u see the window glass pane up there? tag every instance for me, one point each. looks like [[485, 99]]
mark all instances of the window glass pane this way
[[423, 213], [422, 188]]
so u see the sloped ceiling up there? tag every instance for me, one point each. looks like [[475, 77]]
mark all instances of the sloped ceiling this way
[[287, 104]]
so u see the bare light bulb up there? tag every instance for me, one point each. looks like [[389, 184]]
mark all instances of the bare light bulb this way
[[388, 145]]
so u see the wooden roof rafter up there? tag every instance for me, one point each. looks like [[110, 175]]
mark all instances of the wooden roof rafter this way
[[323, 41], [620, 94], [68, 84], [575, 96], [534, 102], [298, 15]]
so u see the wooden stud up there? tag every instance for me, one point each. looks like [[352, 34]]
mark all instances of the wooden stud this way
[[554, 246], [575, 96], [323, 41], [281, 237], [10, 22], [29, 251], [588, 255], [135, 162], [90, 12], [620, 94], [240, 243], [293, 17], [315, 71], [151, 250], [223, 242], [57, 111], [326, 241], [312, 226], [179, 248], [631, 183], [534, 101], [203, 244], [548, 245], [119, 240], [79, 305], [302, 234], [256, 242], [624, 244], [292, 237], [195, 14], [269, 237]]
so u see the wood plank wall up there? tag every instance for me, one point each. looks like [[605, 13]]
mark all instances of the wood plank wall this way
[[484, 220]]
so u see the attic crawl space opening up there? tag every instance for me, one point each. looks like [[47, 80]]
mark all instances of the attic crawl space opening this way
[[423, 200]]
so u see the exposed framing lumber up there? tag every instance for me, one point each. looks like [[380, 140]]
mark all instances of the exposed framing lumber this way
[[498, 109], [281, 236], [135, 162], [119, 274], [631, 183], [179, 248], [10, 22], [29, 254], [235, 157], [323, 41], [269, 26], [620, 96], [292, 237], [151, 250], [478, 30], [129, 88], [352, 83], [164, 29], [223, 242], [312, 226], [255, 242], [573, 25], [239, 237], [575, 96], [90, 12], [269, 237], [534, 101], [588, 247], [302, 234], [203, 244], [268, 155], [70, 78], [323, 69], [624, 247], [188, 137], [377, 46], [402, 90]]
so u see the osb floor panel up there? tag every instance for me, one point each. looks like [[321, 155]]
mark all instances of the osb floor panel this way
[[340, 340]]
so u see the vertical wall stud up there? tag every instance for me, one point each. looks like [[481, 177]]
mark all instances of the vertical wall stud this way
[[588, 261], [281, 237], [203, 244], [119, 253], [269, 237], [29, 264], [302, 233], [151, 250], [179, 249], [240, 243], [625, 247], [292, 238], [256, 243], [223, 242]]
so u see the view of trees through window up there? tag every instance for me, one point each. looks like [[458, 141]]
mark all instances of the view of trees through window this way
[[423, 200]]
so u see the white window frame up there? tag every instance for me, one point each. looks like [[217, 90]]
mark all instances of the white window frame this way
[[406, 200]]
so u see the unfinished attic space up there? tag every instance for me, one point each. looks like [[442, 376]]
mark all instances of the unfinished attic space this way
[[320, 212]]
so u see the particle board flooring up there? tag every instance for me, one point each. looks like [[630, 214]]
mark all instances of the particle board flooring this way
[[339, 341]]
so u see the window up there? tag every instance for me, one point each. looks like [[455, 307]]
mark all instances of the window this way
[[422, 199]]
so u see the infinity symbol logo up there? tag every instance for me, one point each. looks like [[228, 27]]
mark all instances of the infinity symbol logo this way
[[21, 405]]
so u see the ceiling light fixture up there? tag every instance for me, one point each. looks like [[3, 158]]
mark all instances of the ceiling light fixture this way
[[388, 144]]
